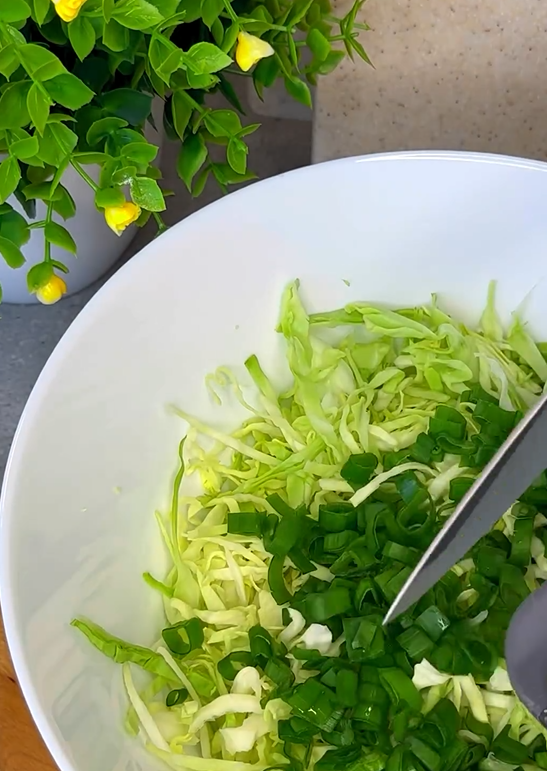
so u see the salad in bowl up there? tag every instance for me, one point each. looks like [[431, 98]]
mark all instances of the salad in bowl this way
[[341, 419], [313, 512]]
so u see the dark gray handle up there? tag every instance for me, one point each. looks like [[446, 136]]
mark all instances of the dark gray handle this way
[[526, 653]]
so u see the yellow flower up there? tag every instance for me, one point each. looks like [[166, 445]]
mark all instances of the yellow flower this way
[[250, 50], [68, 9], [52, 291], [119, 217]]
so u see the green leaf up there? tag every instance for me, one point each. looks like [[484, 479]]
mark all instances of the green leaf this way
[[107, 8], [265, 74], [63, 203], [59, 117], [53, 31], [10, 174], [109, 196], [170, 64], [201, 81], [157, 51], [129, 104], [136, 14], [348, 22], [230, 37], [107, 170], [38, 106], [81, 34], [14, 112], [42, 191], [14, 10], [115, 37], [227, 90], [217, 31], [318, 44], [139, 152], [192, 10], [124, 175], [11, 253], [14, 227], [24, 148], [205, 58], [293, 53], [210, 11], [236, 155], [260, 22], [225, 175], [91, 158], [48, 151], [147, 194], [200, 182], [167, 8], [299, 91], [8, 61], [39, 173], [125, 136], [58, 235], [57, 142], [40, 63], [68, 90], [33, 163], [143, 218], [170, 21], [39, 275], [192, 156], [182, 112], [154, 173], [358, 48], [29, 207], [298, 11], [41, 8], [250, 129], [222, 123], [60, 266], [331, 62], [165, 58], [103, 128], [66, 139]]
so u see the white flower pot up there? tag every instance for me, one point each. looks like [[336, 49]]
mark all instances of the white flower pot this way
[[99, 247]]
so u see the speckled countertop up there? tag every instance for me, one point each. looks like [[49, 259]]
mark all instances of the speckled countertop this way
[[449, 74]]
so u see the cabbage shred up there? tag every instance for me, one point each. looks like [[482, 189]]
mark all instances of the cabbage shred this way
[[312, 515]]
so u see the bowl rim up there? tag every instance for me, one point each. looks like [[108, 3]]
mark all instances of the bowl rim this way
[[43, 721]]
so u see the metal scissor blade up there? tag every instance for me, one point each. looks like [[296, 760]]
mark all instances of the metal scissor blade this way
[[518, 462]]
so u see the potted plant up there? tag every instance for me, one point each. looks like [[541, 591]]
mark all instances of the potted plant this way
[[78, 82]]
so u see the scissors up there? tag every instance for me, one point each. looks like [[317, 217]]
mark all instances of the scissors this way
[[519, 461]]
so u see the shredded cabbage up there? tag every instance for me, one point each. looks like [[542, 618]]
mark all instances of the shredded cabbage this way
[[371, 387]]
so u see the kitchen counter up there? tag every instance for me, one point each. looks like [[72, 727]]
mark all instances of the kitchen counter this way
[[448, 75]]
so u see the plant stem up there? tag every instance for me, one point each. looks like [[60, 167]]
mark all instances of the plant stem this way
[[230, 11], [162, 227], [84, 175], [47, 244]]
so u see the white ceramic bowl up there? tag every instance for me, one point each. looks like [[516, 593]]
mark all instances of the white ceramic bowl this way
[[95, 450]]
